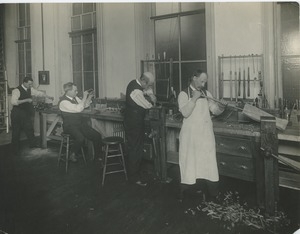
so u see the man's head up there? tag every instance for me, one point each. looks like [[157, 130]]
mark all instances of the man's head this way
[[27, 82], [199, 79], [147, 80], [70, 89]]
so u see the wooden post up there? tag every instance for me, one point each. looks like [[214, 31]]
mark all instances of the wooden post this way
[[269, 144], [43, 129]]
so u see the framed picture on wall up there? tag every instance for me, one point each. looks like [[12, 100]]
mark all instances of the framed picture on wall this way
[[44, 78]]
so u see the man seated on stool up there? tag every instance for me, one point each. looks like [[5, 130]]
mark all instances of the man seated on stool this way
[[74, 123]]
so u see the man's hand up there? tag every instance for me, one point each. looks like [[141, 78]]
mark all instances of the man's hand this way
[[85, 94], [91, 95], [29, 100], [225, 103], [153, 98]]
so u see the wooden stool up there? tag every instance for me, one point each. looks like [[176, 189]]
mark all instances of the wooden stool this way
[[66, 143], [113, 149]]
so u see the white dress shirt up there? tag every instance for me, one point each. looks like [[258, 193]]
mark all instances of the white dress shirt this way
[[69, 107], [15, 95], [138, 97]]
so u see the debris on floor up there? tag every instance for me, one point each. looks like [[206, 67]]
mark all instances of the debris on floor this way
[[230, 210]]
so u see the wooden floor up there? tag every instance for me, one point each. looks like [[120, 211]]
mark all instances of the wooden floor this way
[[37, 197]]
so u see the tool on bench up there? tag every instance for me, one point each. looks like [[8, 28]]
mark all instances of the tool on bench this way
[[252, 112]]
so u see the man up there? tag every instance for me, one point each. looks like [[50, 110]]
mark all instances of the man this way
[[135, 109], [22, 112], [197, 150], [74, 123]]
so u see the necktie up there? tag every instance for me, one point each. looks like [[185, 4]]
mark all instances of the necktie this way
[[75, 101]]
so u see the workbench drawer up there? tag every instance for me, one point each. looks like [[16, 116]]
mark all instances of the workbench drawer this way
[[233, 146], [237, 167]]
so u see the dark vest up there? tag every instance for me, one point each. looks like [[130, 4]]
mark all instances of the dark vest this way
[[189, 90], [134, 114], [24, 95], [70, 119]]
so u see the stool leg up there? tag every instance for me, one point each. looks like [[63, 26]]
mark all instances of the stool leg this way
[[67, 154], [83, 155], [123, 161], [60, 151], [105, 162]]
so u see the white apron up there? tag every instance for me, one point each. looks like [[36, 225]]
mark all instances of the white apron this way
[[197, 150]]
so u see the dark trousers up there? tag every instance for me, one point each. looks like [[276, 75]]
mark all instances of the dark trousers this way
[[79, 133], [21, 121], [135, 143]]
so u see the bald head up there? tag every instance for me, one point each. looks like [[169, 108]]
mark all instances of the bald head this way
[[147, 79]]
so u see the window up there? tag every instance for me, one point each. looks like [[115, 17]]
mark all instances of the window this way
[[23, 41], [180, 34], [84, 47], [290, 50]]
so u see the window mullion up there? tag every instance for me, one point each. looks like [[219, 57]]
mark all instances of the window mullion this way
[[94, 72], [82, 64], [179, 51]]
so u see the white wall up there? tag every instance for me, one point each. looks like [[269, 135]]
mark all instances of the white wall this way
[[238, 31], [57, 45], [11, 49]]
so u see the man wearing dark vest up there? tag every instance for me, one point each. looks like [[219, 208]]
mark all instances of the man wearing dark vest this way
[[22, 113], [74, 123], [136, 105]]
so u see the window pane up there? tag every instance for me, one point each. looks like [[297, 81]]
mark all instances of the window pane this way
[[193, 37], [87, 21], [76, 40], [87, 7], [21, 32], [88, 57], [77, 78], [166, 32], [21, 15], [76, 54], [290, 29], [95, 53], [87, 38], [192, 6], [96, 85], [27, 14], [167, 8], [176, 78], [88, 80], [77, 8], [21, 60], [76, 23], [28, 57], [27, 30], [187, 70], [290, 77]]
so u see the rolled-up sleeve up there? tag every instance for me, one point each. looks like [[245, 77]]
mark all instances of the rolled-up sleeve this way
[[15, 97], [138, 97], [185, 105], [69, 107]]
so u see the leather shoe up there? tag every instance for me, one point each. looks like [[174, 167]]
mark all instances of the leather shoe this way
[[72, 158], [141, 183]]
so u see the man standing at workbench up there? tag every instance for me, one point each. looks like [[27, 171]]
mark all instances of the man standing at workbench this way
[[135, 110], [23, 112], [197, 150]]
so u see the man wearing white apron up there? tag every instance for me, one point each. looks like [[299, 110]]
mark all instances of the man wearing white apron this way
[[197, 151]]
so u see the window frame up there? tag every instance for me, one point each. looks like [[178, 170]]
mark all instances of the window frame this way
[[178, 15], [25, 40], [81, 33]]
